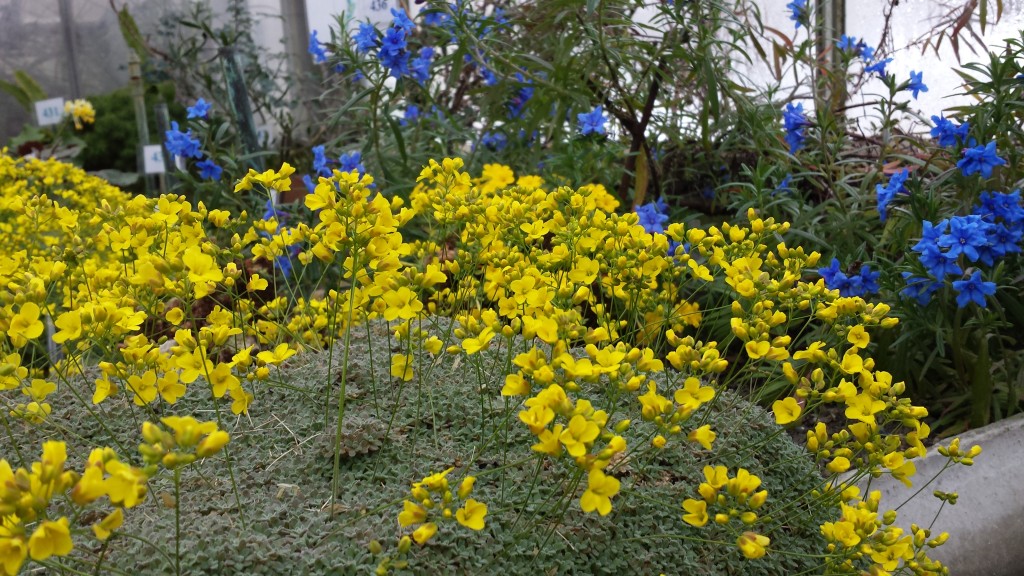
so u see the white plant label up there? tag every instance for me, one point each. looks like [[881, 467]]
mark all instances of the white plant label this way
[[50, 111], [153, 159]]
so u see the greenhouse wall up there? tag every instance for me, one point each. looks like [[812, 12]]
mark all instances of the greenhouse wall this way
[[74, 48]]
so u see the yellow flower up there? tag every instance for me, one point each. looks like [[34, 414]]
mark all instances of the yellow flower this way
[[203, 271], [466, 486], [472, 514], [39, 389], [111, 522], [478, 343], [412, 513], [703, 436], [424, 533], [578, 434], [81, 111], [402, 366], [13, 551], [692, 395], [50, 539], [212, 443], [786, 411], [187, 430], [495, 177], [25, 325], [256, 283], [143, 387], [241, 400], [548, 442], [752, 545], [281, 353], [169, 387], [839, 465], [600, 490], [70, 325], [696, 512], [858, 336], [175, 316], [863, 407], [515, 385]]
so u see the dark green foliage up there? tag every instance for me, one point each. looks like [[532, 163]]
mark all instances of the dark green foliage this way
[[112, 141]]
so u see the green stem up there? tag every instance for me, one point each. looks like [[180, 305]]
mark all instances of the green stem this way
[[344, 382], [981, 385], [177, 521]]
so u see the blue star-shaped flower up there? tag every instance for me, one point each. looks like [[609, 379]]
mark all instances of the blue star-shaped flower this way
[[592, 122], [201, 109], [915, 84], [974, 290]]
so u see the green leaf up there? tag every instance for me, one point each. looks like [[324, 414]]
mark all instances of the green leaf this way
[[131, 34], [32, 88], [399, 140], [18, 94]]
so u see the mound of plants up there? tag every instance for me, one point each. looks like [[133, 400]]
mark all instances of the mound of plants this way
[[497, 371]]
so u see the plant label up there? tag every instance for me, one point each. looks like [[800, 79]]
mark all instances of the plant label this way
[[49, 111], [153, 159]]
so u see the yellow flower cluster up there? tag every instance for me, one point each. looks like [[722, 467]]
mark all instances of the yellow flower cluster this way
[[864, 539], [81, 112], [187, 440], [432, 501], [26, 495], [740, 499]]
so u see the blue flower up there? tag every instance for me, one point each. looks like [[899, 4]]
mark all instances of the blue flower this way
[[494, 140], [320, 162], [854, 46], [967, 234], [981, 159], [794, 121], [830, 272], [799, 12], [366, 38], [208, 170], [878, 67], [1004, 207], [948, 133], [271, 211], [402, 20], [915, 84], [938, 263], [316, 49], [592, 122], [918, 288], [889, 191], [490, 79], [973, 290], [520, 97], [352, 161], [308, 182], [201, 109], [786, 185], [864, 283], [411, 113], [653, 216], [846, 42], [181, 144], [420, 66], [868, 281], [435, 17], [394, 40]]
